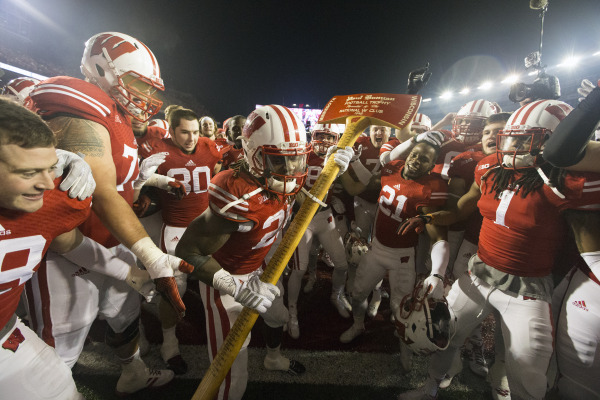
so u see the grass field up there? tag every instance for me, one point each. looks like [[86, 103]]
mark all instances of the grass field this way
[[368, 368]]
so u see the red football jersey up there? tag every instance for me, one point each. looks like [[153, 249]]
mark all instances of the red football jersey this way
[[245, 250], [314, 168], [24, 239], [230, 153], [521, 236], [448, 151], [65, 95], [400, 199], [369, 157], [152, 133], [463, 166], [193, 170]]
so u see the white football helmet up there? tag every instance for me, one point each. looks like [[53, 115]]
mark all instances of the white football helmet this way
[[19, 88], [161, 123], [520, 144], [469, 121], [126, 70], [425, 325], [421, 123], [355, 246], [323, 136], [275, 148]]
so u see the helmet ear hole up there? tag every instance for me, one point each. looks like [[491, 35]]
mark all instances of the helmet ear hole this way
[[100, 70]]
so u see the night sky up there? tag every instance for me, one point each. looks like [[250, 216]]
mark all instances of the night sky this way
[[234, 54]]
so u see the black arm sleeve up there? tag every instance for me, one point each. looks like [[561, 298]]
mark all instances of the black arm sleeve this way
[[567, 143]]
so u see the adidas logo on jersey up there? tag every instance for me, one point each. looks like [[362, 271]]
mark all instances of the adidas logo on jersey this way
[[81, 271], [4, 232], [580, 304], [118, 119], [175, 239], [397, 187], [190, 164]]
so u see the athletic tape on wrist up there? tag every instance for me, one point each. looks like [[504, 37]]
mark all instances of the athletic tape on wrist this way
[[147, 252], [225, 282]]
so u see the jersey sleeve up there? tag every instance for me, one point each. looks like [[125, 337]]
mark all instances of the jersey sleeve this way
[[71, 96], [389, 146], [149, 147], [582, 191], [224, 189], [462, 166]]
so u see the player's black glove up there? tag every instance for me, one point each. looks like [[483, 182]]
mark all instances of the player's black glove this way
[[417, 79]]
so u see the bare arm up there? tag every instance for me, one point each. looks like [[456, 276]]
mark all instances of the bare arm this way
[[204, 236], [465, 206], [590, 161], [457, 187], [93, 140], [66, 242], [447, 120], [586, 229]]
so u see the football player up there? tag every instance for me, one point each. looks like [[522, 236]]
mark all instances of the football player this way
[[93, 117], [234, 151], [208, 128], [190, 160], [511, 272], [322, 228], [248, 207], [407, 190], [19, 88], [29, 206]]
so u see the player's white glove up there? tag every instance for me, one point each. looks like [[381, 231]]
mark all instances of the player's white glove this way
[[341, 157], [140, 281], [253, 293], [148, 167], [78, 180], [337, 205], [434, 138], [585, 89], [433, 287]]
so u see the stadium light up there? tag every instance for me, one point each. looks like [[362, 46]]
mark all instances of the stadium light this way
[[307, 105], [427, 100], [510, 79], [446, 95], [569, 62], [485, 85], [465, 91], [23, 72], [532, 73], [294, 105]]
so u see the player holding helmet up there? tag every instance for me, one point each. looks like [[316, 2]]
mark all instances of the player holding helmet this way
[[93, 118], [322, 228], [522, 228], [407, 190], [249, 204]]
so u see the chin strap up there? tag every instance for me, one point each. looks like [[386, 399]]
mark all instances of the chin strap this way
[[240, 200], [312, 197], [547, 182]]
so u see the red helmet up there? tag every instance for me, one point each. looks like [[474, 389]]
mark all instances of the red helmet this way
[[126, 70], [520, 144], [19, 88], [470, 120], [275, 147]]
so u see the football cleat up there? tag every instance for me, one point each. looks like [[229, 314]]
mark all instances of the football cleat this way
[[291, 367], [455, 368], [351, 333], [426, 392], [142, 377]]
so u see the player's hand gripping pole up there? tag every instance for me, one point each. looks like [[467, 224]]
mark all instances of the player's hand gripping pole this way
[[355, 125]]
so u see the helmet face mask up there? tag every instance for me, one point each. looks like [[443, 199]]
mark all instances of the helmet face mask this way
[[469, 121], [276, 150], [126, 70], [520, 144]]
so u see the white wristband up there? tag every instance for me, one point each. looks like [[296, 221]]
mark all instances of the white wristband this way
[[362, 173], [160, 181], [147, 252], [225, 282], [440, 255], [95, 257]]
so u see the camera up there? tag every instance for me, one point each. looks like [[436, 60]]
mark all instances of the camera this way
[[543, 87]]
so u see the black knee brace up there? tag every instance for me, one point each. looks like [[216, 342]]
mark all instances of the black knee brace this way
[[130, 333]]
